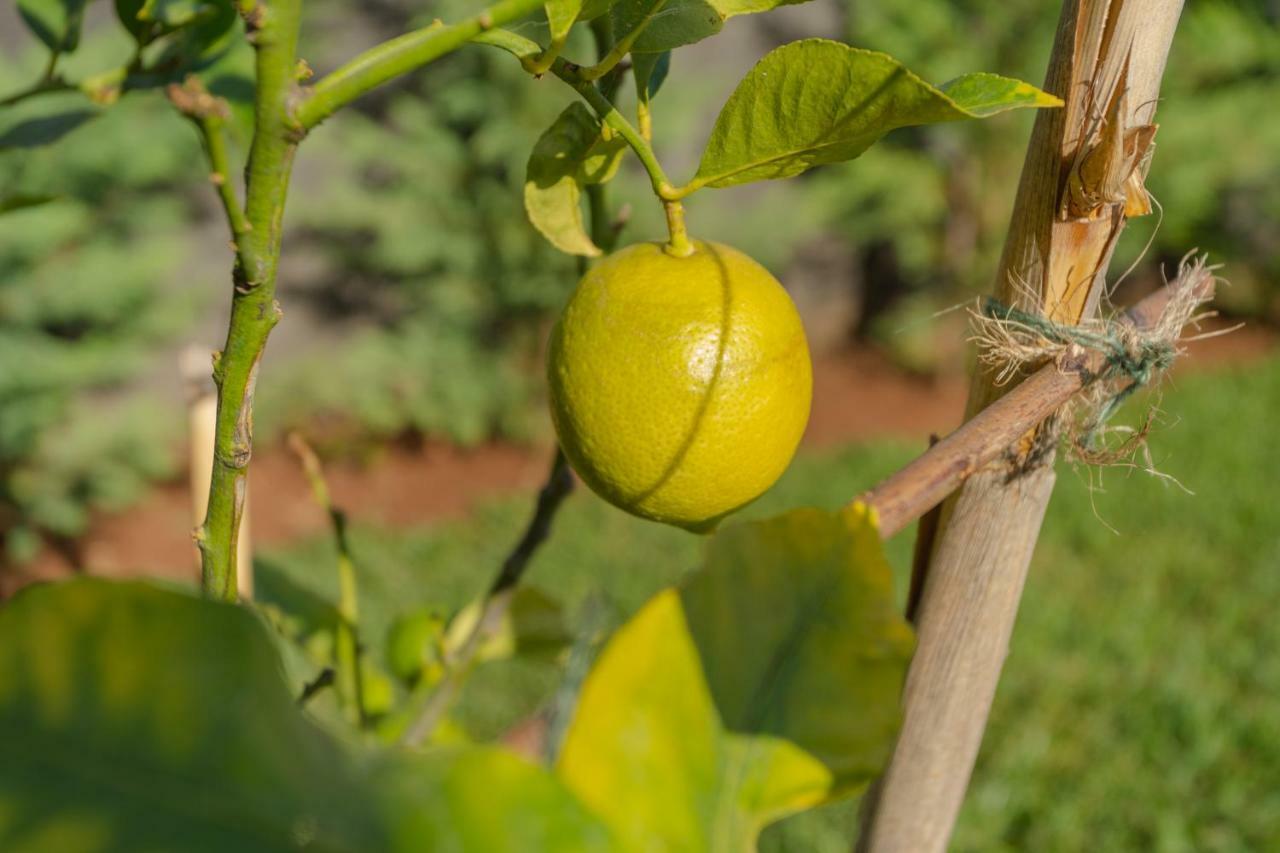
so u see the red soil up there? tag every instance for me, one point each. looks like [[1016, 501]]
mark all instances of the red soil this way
[[858, 395]]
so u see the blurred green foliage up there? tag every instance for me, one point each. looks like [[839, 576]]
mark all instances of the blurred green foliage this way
[[1137, 707], [94, 274], [409, 256]]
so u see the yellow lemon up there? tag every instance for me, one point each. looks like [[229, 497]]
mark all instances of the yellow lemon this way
[[680, 387]]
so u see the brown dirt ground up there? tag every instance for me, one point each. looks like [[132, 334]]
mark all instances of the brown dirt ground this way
[[858, 395]]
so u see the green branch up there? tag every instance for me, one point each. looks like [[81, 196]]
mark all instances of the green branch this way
[[254, 311], [400, 56]]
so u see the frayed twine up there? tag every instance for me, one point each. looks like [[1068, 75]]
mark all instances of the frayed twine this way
[[1012, 341]]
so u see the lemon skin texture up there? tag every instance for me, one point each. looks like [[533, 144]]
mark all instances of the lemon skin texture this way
[[679, 387]]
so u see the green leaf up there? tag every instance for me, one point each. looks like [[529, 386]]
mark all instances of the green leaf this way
[[650, 71], [204, 32], [816, 101], [799, 607], [44, 130], [133, 718], [57, 23], [592, 9], [768, 684], [665, 24], [668, 24], [561, 16], [982, 94], [129, 13], [571, 153]]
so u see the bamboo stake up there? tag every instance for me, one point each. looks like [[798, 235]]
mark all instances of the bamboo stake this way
[[1077, 182]]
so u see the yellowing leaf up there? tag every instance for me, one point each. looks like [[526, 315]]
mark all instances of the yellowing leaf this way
[[647, 753], [769, 683], [571, 153], [817, 101]]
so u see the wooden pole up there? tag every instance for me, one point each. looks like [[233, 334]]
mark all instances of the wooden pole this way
[[202, 416], [1082, 176]]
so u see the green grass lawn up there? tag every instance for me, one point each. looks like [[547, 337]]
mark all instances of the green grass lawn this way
[[1140, 705]]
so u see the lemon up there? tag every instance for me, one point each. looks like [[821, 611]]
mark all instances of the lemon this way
[[680, 386]]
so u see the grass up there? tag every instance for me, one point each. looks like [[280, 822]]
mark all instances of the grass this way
[[1140, 704]]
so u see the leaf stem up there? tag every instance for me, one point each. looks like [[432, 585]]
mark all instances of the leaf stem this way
[[399, 56], [496, 601], [525, 50], [254, 311], [678, 246]]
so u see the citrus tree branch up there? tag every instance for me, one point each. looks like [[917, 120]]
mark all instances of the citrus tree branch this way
[[254, 311], [400, 56]]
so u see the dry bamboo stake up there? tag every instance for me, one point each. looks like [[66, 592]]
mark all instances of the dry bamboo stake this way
[[1083, 175], [202, 415]]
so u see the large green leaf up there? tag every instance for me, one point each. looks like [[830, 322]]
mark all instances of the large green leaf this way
[[57, 23], [817, 101], [768, 684], [133, 718], [571, 153]]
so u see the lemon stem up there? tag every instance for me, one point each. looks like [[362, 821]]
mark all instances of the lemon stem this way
[[678, 246]]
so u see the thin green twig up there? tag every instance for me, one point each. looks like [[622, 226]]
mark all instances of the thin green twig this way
[[400, 56]]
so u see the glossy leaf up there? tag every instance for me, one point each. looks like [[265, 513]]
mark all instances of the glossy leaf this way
[[133, 718], [571, 153], [816, 101], [767, 684], [56, 23]]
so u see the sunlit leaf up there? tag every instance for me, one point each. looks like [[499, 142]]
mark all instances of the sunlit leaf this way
[[769, 683], [571, 153], [816, 101], [57, 23], [133, 718]]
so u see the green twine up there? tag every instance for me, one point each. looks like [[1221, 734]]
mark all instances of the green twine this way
[[1136, 357]]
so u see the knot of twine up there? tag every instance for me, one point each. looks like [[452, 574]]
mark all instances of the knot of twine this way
[[1133, 357]]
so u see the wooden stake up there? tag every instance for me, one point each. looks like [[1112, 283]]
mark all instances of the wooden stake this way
[[1065, 224]]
